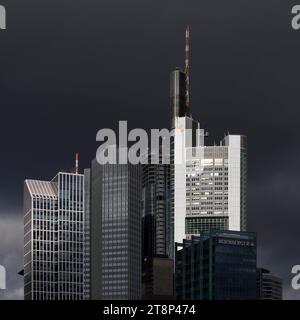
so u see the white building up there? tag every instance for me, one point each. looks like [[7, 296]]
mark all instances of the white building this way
[[209, 182], [54, 238]]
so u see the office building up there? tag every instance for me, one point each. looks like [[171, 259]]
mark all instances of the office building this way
[[208, 182], [116, 237], [53, 238], [156, 208], [269, 286], [87, 235], [218, 265]]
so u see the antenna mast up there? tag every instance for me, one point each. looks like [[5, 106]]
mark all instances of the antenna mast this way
[[77, 163], [187, 70]]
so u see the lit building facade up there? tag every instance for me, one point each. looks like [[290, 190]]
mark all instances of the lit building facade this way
[[54, 238], [87, 235], [209, 182]]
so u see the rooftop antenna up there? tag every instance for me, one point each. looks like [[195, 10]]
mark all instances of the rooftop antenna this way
[[77, 163], [187, 70]]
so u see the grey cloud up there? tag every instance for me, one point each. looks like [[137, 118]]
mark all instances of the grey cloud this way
[[275, 220]]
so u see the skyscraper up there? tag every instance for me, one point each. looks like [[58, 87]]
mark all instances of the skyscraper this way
[[116, 250], [208, 182], [156, 208], [53, 238], [218, 265], [87, 235], [157, 267], [215, 187]]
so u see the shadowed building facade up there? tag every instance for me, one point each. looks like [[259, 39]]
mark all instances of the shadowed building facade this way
[[218, 265], [269, 286], [116, 235], [156, 220], [158, 278]]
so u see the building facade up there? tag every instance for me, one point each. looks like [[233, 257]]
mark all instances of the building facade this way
[[218, 265], [156, 224], [87, 235], [209, 182], [53, 238], [116, 231], [157, 278], [269, 286], [177, 95]]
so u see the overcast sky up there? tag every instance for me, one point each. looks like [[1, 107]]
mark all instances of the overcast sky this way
[[71, 67]]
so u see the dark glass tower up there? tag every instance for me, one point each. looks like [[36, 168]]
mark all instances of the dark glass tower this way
[[177, 95], [219, 265], [116, 251], [156, 209]]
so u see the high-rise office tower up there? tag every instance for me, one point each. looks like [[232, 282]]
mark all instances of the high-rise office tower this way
[[218, 265], [156, 208], [157, 267], [269, 286], [213, 185], [87, 235], [116, 250], [208, 182], [53, 238]]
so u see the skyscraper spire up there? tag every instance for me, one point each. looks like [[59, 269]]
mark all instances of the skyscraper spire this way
[[77, 163], [187, 70]]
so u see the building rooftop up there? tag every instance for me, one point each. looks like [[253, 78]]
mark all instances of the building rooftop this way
[[42, 188]]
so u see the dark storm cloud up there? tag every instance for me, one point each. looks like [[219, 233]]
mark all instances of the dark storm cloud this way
[[274, 215], [69, 68]]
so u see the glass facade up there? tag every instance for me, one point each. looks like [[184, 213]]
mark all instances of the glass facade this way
[[87, 235], [217, 266], [205, 224], [156, 209], [53, 238], [116, 232]]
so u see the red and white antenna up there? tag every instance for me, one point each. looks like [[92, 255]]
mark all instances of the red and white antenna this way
[[187, 69], [77, 163]]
